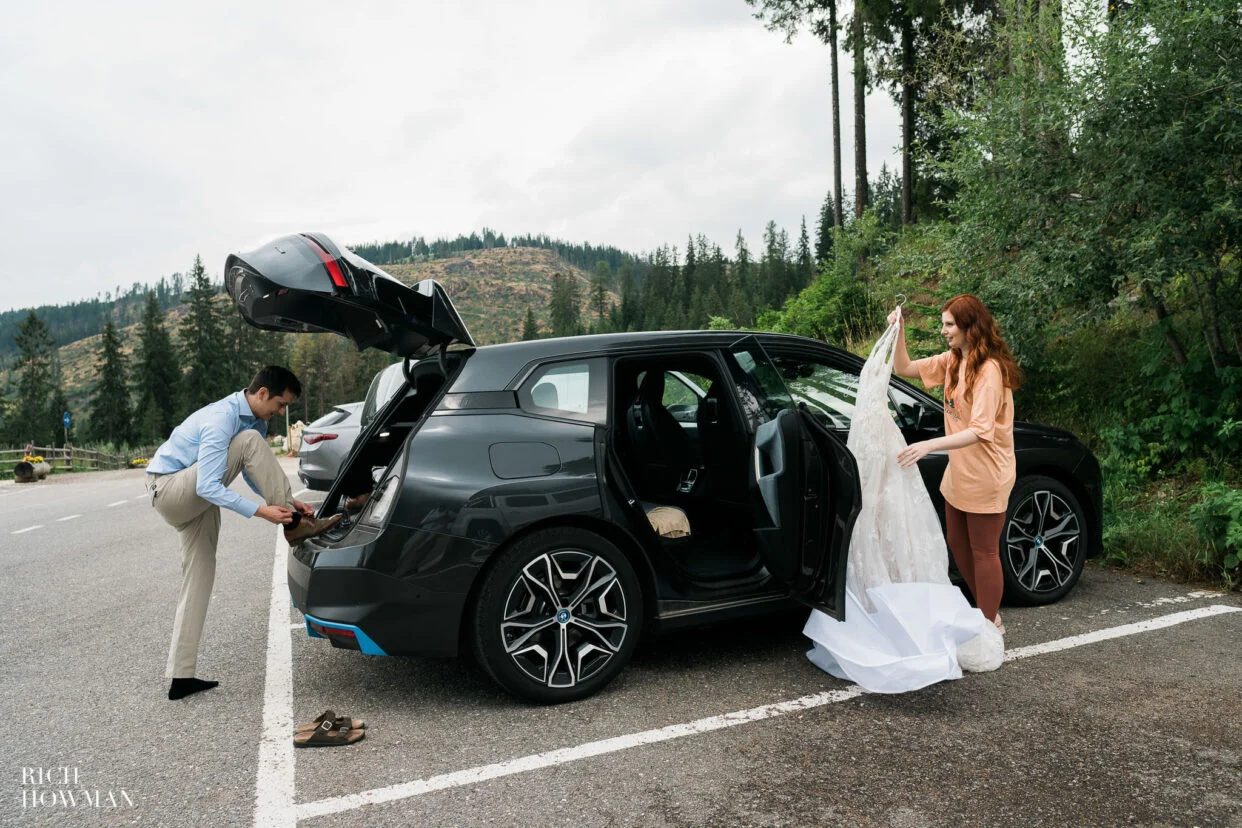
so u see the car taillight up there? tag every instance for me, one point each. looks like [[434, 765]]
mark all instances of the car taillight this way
[[311, 439], [329, 263], [381, 503]]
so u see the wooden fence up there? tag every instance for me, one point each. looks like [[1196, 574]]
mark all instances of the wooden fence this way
[[69, 459]]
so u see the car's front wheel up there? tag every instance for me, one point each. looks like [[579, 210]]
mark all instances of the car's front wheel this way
[[558, 615], [1044, 541]]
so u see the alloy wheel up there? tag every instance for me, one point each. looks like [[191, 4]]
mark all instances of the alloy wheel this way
[[1043, 539], [565, 617]]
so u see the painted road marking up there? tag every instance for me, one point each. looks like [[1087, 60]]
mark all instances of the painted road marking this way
[[470, 776], [27, 529], [68, 517], [274, 783], [300, 492], [118, 503], [141, 497], [1197, 595], [1118, 632]]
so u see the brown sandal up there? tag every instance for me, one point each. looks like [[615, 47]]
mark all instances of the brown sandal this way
[[328, 736], [337, 721]]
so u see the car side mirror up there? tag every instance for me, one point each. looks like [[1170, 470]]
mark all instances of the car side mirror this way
[[711, 407], [930, 419]]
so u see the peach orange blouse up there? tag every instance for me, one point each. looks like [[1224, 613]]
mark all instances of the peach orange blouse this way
[[980, 477]]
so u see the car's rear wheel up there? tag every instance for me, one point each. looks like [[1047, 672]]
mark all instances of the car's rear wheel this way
[[558, 615], [1044, 541]]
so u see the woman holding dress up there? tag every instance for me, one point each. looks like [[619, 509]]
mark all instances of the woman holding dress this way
[[979, 375]]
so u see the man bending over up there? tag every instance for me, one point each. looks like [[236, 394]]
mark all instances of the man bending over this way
[[188, 481]]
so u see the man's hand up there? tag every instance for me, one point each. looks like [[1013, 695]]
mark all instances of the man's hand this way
[[304, 508], [275, 514], [913, 453]]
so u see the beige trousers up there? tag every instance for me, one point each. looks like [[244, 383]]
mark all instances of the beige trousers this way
[[175, 497]]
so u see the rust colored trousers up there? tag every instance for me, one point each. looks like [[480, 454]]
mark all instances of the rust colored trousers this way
[[974, 540]]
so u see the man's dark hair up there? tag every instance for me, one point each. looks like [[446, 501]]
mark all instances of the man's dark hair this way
[[277, 380]]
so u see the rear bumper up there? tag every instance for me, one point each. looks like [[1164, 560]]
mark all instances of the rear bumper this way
[[342, 635], [310, 481], [380, 613]]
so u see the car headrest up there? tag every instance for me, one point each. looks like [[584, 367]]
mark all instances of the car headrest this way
[[544, 395], [652, 386]]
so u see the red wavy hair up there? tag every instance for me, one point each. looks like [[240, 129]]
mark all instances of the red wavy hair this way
[[984, 339]]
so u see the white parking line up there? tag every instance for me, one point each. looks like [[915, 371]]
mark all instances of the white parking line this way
[[67, 517], [118, 503], [27, 529], [300, 492], [140, 497], [1117, 632], [274, 784], [405, 790]]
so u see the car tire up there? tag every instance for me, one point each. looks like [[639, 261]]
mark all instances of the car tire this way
[[1042, 509], [557, 616]]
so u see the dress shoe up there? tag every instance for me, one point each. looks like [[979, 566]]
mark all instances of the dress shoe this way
[[355, 503], [309, 527]]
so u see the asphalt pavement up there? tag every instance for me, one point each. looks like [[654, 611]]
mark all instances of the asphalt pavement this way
[[1121, 705]]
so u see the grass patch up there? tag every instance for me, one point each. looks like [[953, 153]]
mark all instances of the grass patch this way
[[1148, 529]]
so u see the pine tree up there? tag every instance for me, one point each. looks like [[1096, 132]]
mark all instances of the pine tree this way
[[156, 376], [658, 293], [741, 267], [202, 344], [248, 349], [601, 279], [805, 268], [630, 311], [28, 419], [823, 235], [530, 328], [566, 306], [110, 419]]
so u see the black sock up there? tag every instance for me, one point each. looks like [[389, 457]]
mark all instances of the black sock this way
[[182, 687], [297, 518]]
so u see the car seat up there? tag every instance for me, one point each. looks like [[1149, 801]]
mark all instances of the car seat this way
[[665, 452], [724, 445]]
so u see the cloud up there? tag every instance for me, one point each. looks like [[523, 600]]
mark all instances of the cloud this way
[[137, 135]]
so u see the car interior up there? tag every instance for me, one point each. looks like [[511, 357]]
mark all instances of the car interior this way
[[681, 447], [365, 467]]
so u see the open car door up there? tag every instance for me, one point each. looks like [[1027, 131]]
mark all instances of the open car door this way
[[305, 283], [804, 485]]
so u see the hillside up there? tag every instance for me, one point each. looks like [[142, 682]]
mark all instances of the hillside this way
[[491, 289]]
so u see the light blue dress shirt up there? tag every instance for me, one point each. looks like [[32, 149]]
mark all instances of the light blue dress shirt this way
[[204, 439]]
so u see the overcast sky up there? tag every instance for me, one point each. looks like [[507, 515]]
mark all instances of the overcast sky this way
[[134, 136]]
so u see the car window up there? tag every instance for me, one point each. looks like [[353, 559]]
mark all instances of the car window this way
[[383, 386], [566, 389], [907, 406], [829, 391], [331, 418], [761, 389]]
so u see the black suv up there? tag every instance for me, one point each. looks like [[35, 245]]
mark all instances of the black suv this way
[[544, 503]]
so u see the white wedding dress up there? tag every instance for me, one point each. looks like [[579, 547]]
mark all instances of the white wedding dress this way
[[905, 625]]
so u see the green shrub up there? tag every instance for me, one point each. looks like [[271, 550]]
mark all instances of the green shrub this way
[[1218, 517]]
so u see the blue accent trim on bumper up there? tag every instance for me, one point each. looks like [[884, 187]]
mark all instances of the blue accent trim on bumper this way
[[365, 643]]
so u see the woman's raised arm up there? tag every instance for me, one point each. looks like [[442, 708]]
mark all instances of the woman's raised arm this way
[[902, 365]]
